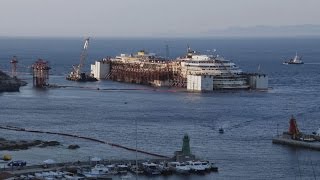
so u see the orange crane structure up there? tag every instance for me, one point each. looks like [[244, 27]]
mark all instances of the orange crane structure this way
[[40, 72]]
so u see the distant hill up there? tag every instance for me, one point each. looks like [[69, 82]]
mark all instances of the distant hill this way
[[267, 31]]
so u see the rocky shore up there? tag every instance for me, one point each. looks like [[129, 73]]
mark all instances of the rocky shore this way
[[22, 144], [9, 84]]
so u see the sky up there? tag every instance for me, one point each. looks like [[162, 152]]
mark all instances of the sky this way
[[148, 18]]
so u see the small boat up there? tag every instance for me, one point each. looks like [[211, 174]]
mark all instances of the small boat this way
[[196, 166], [97, 171], [164, 168], [112, 169], [221, 130], [151, 168], [178, 167], [122, 169], [206, 165], [136, 169], [295, 60]]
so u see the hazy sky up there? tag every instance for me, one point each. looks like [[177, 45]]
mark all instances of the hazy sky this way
[[120, 18]]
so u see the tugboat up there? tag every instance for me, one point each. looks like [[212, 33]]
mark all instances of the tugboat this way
[[295, 60]]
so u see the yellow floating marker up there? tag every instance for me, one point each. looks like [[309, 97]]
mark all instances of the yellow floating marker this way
[[7, 157]]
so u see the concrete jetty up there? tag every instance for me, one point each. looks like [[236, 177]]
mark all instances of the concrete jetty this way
[[296, 143], [293, 137]]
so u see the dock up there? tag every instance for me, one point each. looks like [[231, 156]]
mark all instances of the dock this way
[[296, 143], [293, 137]]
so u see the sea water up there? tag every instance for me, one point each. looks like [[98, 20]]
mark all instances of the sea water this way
[[157, 119]]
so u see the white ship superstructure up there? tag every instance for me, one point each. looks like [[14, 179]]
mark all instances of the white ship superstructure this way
[[224, 73]]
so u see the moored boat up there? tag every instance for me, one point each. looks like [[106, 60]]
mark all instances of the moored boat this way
[[178, 167], [122, 168], [196, 166], [151, 168]]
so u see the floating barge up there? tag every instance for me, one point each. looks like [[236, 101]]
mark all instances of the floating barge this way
[[297, 139], [76, 74]]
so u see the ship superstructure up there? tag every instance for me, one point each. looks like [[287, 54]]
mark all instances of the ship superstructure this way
[[224, 73]]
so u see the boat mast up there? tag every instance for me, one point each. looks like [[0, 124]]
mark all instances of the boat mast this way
[[136, 149]]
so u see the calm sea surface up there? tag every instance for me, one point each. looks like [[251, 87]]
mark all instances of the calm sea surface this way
[[163, 116]]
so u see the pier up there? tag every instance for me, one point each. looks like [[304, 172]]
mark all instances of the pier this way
[[293, 137], [296, 143]]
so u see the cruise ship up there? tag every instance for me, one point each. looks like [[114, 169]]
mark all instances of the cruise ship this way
[[195, 72], [224, 73]]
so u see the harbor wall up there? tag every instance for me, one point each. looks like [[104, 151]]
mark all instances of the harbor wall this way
[[296, 143]]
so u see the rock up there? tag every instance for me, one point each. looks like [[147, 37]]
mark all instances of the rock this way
[[73, 146], [49, 143], [9, 84], [23, 144]]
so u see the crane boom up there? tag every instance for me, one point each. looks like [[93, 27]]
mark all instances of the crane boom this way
[[77, 74], [83, 56]]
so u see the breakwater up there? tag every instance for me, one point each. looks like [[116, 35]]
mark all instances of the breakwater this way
[[12, 128], [296, 143]]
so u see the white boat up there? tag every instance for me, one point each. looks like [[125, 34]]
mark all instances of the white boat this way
[[164, 168], [98, 170], [179, 167], [226, 74], [196, 166], [206, 165], [122, 168], [151, 168], [112, 169], [295, 60]]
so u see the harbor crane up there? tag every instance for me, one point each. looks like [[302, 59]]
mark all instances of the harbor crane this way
[[76, 73]]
